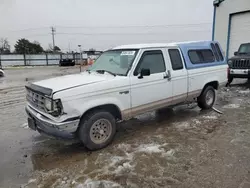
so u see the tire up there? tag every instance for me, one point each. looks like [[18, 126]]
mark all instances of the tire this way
[[92, 129], [207, 98], [229, 81]]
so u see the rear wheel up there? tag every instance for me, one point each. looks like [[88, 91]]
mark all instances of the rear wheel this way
[[207, 98], [97, 129]]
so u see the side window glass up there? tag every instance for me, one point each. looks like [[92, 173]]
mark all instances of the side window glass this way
[[215, 52], [201, 56], [194, 56], [207, 55], [152, 60], [175, 58], [219, 52]]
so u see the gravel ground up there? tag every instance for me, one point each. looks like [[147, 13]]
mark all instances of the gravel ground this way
[[183, 147]]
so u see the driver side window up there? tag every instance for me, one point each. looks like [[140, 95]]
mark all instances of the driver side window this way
[[152, 60]]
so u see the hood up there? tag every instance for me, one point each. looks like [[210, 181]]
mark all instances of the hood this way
[[71, 81], [243, 56]]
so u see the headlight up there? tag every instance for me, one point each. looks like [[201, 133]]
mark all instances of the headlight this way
[[57, 107], [48, 104], [230, 62], [54, 107]]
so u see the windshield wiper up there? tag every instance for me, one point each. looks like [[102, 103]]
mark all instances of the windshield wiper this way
[[103, 71]]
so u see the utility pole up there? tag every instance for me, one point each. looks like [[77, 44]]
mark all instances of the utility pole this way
[[53, 30], [80, 58]]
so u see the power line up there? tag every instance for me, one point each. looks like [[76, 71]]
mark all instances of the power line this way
[[28, 29], [134, 26], [35, 35], [158, 33]]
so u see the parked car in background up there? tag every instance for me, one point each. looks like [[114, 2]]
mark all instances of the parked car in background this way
[[66, 60], [239, 64], [124, 82]]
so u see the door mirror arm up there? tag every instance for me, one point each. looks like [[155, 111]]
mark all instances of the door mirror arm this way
[[144, 72], [167, 75]]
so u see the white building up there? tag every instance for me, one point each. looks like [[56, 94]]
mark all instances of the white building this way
[[231, 24]]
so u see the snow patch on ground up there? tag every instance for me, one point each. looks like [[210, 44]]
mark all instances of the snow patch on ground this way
[[244, 91], [31, 181], [210, 117], [89, 183], [124, 147], [231, 106], [197, 122], [150, 148], [182, 125], [169, 153], [25, 126], [125, 167]]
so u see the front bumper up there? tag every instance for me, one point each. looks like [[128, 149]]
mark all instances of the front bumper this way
[[239, 73], [40, 123]]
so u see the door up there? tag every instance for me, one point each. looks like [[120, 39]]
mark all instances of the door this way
[[178, 76], [239, 32], [154, 91]]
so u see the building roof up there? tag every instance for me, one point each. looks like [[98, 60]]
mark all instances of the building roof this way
[[159, 45]]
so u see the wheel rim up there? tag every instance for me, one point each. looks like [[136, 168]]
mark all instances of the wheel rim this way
[[210, 97], [100, 131]]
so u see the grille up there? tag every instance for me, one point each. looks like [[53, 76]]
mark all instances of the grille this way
[[241, 64], [36, 100]]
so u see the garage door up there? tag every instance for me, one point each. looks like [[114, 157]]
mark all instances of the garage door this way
[[240, 31]]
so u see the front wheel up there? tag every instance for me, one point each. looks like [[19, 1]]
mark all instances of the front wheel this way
[[97, 129], [207, 98]]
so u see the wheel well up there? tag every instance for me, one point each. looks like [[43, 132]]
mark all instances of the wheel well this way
[[113, 109], [214, 84]]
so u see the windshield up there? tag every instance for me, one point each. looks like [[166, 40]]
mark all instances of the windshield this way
[[244, 49], [117, 62]]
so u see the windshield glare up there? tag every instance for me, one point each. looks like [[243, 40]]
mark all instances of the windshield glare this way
[[115, 61], [244, 48]]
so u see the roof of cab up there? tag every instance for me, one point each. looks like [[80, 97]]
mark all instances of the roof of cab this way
[[162, 45]]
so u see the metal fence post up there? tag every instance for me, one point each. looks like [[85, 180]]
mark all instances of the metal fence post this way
[[47, 61], [24, 58]]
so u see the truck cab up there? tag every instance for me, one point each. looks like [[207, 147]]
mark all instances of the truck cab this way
[[239, 64], [124, 82]]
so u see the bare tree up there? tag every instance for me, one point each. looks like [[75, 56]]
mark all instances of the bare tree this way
[[4, 45]]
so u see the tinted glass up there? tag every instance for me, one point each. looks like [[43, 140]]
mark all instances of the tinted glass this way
[[194, 56], [152, 60], [207, 55], [215, 52], [219, 52], [175, 58], [201, 56], [244, 49]]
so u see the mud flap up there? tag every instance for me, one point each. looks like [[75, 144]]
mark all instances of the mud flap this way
[[32, 124]]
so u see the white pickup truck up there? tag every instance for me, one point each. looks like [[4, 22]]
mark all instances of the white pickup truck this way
[[124, 82]]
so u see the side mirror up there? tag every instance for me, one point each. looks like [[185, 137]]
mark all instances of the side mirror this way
[[144, 72], [235, 53]]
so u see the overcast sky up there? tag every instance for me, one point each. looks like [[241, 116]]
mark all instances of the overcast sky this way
[[102, 24]]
